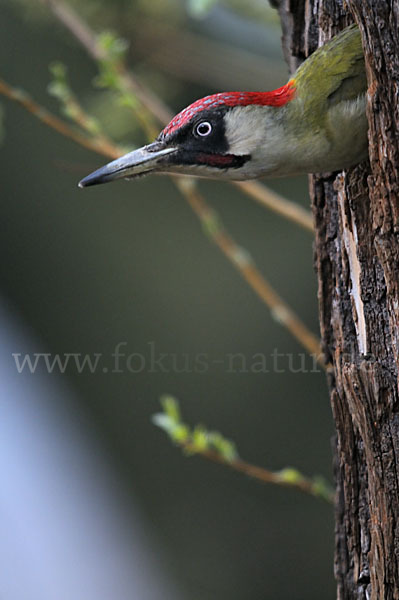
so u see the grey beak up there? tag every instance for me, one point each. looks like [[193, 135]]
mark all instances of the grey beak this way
[[144, 160]]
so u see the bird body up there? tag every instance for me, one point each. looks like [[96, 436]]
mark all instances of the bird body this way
[[315, 123]]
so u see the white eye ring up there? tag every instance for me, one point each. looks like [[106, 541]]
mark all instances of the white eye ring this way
[[203, 128]]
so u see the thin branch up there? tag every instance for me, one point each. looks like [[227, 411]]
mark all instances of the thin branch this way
[[266, 197], [46, 117], [212, 445], [298, 482], [82, 32], [242, 261]]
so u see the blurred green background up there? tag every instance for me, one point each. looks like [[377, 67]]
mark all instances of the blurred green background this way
[[86, 270]]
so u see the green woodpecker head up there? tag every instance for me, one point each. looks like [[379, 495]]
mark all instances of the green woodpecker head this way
[[316, 122]]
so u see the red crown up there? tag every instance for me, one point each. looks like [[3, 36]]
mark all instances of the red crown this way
[[277, 97]]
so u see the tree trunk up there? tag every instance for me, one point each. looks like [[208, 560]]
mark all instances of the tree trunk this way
[[356, 215]]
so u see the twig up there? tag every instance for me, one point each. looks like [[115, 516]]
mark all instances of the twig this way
[[24, 100], [266, 197], [82, 32], [241, 260], [298, 482], [214, 446]]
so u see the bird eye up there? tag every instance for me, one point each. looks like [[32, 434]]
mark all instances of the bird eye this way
[[203, 129]]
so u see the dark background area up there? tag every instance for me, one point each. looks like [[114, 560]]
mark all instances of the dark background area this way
[[84, 270]]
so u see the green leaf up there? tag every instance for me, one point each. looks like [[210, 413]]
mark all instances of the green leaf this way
[[114, 46], [171, 407], [290, 475], [164, 422], [223, 446], [107, 78], [58, 70], [58, 86], [322, 488], [200, 438], [180, 433]]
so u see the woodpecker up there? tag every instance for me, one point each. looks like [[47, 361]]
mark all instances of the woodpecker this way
[[315, 123]]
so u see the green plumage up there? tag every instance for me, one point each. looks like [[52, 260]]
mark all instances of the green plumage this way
[[326, 119], [334, 73]]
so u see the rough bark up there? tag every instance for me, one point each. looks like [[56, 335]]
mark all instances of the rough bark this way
[[356, 215]]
